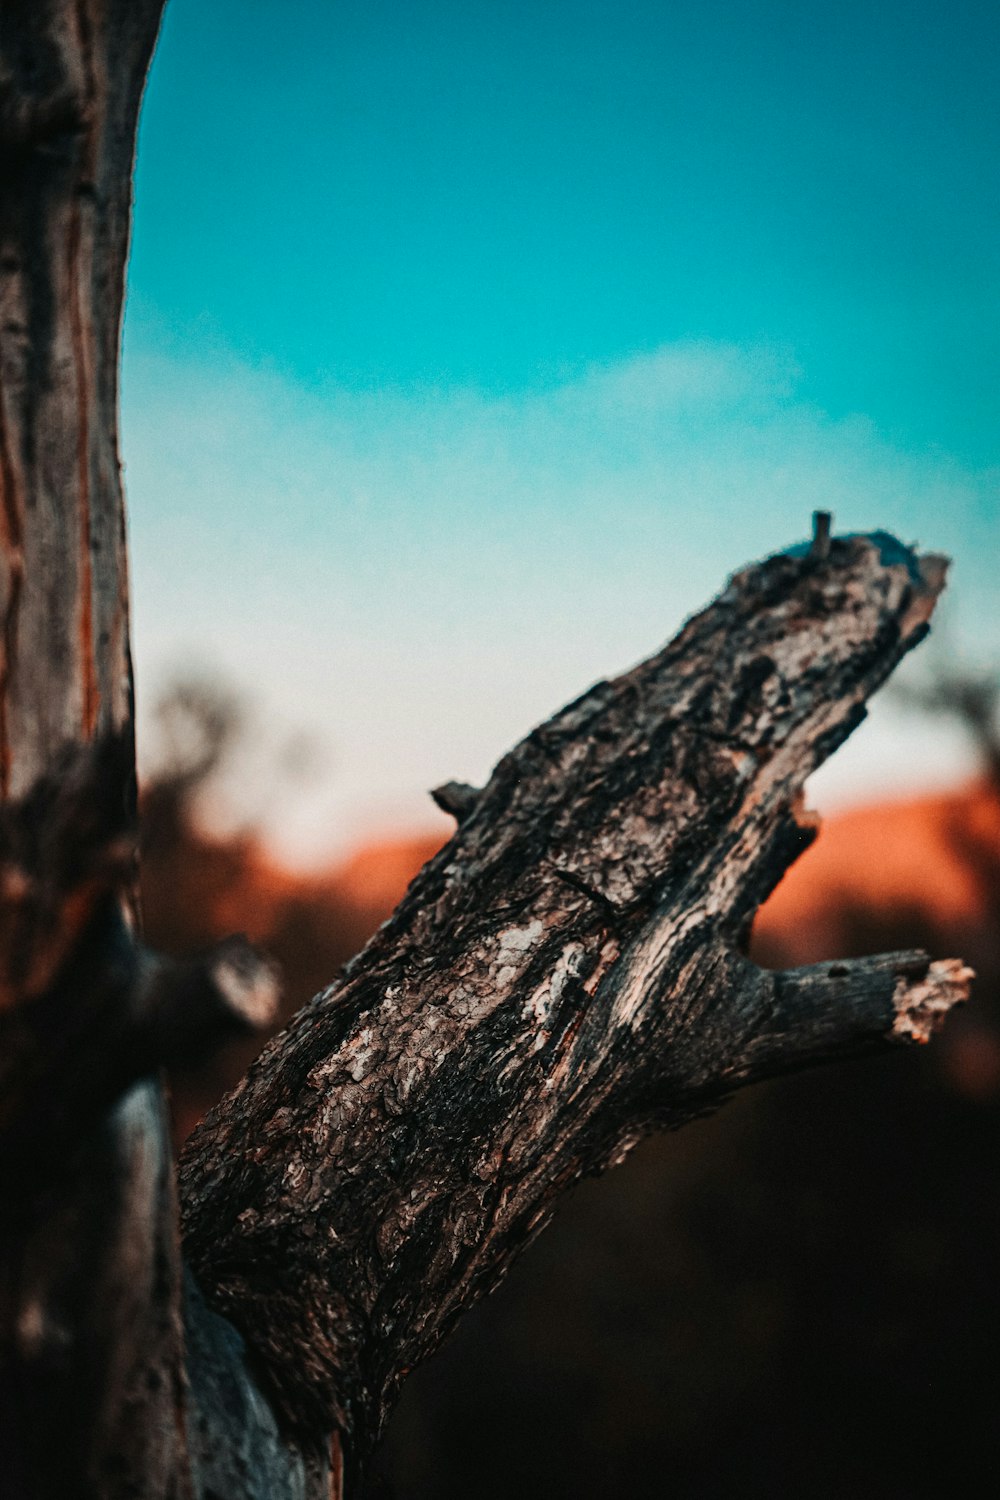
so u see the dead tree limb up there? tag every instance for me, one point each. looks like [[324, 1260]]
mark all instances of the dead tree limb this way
[[564, 977]]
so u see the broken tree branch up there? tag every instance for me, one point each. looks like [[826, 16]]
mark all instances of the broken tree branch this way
[[564, 977]]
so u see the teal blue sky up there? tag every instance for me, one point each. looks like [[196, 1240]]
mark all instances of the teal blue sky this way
[[495, 334], [496, 194]]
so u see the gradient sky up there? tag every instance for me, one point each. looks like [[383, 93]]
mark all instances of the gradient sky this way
[[469, 346]]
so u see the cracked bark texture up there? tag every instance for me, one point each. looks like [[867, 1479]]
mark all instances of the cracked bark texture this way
[[89, 1347], [564, 977], [71, 77]]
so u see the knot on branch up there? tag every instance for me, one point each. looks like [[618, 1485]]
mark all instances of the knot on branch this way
[[457, 798]]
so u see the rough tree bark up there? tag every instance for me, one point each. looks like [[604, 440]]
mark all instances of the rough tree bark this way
[[91, 1370], [567, 975], [82, 1300]]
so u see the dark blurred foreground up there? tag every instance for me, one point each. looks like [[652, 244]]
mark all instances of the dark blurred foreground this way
[[800, 1295]]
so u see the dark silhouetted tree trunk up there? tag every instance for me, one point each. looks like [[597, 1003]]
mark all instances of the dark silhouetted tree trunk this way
[[567, 975], [87, 1260]]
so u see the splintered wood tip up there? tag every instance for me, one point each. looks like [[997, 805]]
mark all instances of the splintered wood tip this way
[[822, 527], [923, 1001]]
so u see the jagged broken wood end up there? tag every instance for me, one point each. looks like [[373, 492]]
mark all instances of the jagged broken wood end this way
[[923, 1001]]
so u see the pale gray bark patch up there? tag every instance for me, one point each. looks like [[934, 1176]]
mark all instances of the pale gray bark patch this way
[[236, 1445]]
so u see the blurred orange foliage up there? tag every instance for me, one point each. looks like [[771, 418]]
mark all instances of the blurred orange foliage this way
[[921, 872], [930, 861]]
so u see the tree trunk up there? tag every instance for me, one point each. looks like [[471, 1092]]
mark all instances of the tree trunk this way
[[87, 1245], [567, 975]]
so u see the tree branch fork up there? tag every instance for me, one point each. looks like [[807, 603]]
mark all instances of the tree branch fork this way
[[565, 976]]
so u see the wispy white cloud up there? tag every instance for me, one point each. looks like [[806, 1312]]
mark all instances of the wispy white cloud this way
[[423, 574]]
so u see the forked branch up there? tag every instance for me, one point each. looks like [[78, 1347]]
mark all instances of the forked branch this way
[[564, 977]]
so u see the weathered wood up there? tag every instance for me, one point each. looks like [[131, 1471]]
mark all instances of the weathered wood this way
[[93, 1397], [71, 78], [90, 1281], [565, 976], [89, 1348]]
